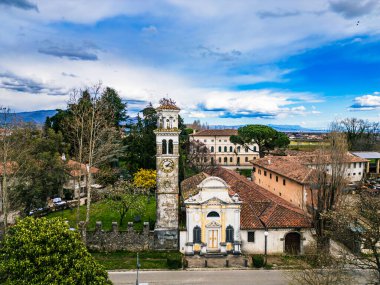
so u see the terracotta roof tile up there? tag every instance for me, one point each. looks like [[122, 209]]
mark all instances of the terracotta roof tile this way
[[78, 169], [260, 208], [189, 185], [225, 132]]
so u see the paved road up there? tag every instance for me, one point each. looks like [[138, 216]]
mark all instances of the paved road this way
[[209, 277]]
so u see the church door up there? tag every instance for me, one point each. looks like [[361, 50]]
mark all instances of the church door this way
[[213, 238]]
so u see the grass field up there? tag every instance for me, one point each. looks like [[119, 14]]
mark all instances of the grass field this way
[[127, 260], [101, 211], [305, 145]]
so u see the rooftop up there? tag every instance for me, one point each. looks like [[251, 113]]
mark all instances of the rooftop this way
[[366, 154], [224, 132], [260, 208]]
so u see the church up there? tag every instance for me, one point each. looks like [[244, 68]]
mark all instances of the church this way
[[225, 212]]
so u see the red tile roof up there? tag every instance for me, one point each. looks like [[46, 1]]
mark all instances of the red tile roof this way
[[207, 133], [78, 169], [260, 208]]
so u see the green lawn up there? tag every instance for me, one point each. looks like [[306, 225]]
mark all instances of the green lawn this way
[[127, 260], [101, 211]]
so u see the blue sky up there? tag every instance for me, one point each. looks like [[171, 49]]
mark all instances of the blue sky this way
[[224, 62]]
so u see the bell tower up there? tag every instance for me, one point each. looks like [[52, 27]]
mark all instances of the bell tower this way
[[167, 158]]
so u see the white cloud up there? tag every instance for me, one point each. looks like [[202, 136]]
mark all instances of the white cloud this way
[[366, 103]]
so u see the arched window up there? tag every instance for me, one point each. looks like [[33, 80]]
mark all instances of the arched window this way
[[231, 159], [212, 161], [220, 149], [229, 234], [225, 149], [170, 146], [246, 159], [231, 149], [246, 149], [164, 147], [238, 161], [213, 214], [225, 160], [238, 149], [212, 149], [197, 234], [254, 148], [220, 160]]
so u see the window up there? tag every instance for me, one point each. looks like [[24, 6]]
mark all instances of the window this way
[[259, 171], [204, 140], [246, 149], [197, 234], [246, 159], [251, 237], [283, 182], [225, 149], [238, 161], [231, 159], [229, 234], [205, 159], [225, 140], [276, 178], [212, 140], [354, 173], [220, 149], [270, 175], [254, 169], [238, 149], [231, 149], [212, 149], [164, 147], [213, 214], [254, 148], [354, 164], [220, 140], [360, 165], [225, 160], [265, 173], [170, 146], [212, 161], [220, 160]]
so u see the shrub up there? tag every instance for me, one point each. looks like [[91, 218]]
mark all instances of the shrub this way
[[45, 251], [258, 261], [174, 262]]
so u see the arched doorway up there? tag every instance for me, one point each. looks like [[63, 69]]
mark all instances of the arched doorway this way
[[293, 243]]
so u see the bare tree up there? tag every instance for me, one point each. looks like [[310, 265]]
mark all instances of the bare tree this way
[[13, 148], [361, 134], [357, 223], [93, 135], [328, 182], [199, 156]]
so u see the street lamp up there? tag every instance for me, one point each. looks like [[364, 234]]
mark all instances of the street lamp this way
[[266, 246]]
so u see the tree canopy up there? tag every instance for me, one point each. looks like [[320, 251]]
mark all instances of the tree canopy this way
[[45, 251], [265, 137]]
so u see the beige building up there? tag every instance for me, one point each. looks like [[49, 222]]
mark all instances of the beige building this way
[[289, 177], [222, 151]]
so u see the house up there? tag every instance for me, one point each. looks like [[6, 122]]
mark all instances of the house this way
[[228, 214], [373, 157], [222, 151], [290, 177], [77, 179]]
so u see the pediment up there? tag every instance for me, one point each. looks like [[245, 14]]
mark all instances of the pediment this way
[[213, 224], [214, 201]]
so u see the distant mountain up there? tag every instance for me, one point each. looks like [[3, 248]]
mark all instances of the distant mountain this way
[[280, 128], [37, 117]]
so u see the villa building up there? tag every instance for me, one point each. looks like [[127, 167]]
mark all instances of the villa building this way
[[222, 151]]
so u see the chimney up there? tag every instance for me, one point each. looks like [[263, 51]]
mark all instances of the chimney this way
[[269, 161]]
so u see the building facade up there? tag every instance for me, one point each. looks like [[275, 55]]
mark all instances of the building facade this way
[[290, 177], [167, 140], [222, 151], [227, 214]]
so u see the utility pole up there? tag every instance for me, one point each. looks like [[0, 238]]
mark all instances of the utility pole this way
[[138, 267]]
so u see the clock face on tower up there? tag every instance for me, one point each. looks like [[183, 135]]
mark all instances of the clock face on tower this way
[[167, 165]]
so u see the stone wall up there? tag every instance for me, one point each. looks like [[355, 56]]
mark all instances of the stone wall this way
[[115, 239]]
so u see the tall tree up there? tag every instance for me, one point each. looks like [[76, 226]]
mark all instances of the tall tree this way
[[140, 146], [14, 147], [332, 158], [94, 136], [265, 137]]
